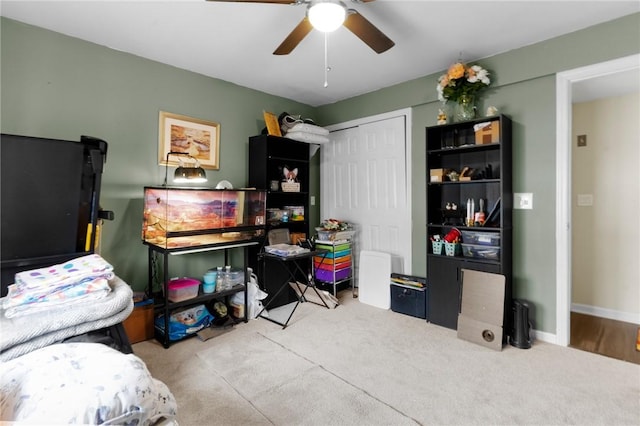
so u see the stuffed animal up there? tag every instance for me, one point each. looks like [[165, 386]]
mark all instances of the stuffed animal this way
[[442, 117], [290, 176]]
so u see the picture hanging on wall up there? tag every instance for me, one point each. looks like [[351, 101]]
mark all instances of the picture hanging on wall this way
[[198, 138]]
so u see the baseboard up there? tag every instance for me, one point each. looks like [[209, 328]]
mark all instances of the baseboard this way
[[543, 336], [630, 317]]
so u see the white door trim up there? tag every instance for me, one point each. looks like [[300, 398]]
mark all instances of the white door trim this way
[[564, 80], [406, 113]]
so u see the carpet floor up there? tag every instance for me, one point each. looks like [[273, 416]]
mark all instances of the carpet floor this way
[[361, 365]]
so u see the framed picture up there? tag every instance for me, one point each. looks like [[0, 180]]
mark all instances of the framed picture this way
[[198, 138]]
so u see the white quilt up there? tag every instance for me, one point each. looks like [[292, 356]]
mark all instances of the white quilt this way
[[83, 383]]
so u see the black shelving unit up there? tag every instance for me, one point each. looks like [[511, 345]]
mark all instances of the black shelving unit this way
[[268, 155], [165, 307], [454, 147]]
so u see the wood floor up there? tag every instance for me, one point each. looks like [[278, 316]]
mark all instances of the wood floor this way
[[615, 339]]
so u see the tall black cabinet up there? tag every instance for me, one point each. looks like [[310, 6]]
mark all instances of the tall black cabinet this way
[[268, 157], [487, 154]]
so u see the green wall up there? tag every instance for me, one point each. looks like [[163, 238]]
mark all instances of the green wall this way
[[60, 87], [523, 87]]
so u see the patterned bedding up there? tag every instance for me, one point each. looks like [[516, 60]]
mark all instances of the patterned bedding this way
[[83, 383]]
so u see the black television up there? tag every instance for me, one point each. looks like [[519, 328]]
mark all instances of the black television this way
[[49, 200]]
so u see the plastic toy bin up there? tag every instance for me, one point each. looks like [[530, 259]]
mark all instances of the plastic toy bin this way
[[182, 289]]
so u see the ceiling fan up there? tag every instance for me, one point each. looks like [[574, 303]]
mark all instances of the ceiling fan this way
[[327, 16]]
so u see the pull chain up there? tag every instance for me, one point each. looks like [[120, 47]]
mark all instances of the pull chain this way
[[326, 60]]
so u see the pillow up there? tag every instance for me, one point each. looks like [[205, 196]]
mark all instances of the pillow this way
[[306, 137], [83, 383], [309, 128]]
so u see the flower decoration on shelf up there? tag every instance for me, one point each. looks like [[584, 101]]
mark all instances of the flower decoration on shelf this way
[[334, 225], [462, 80]]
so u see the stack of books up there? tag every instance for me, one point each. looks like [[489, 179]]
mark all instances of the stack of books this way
[[408, 281]]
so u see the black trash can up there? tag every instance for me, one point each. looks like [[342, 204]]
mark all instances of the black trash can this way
[[520, 335]]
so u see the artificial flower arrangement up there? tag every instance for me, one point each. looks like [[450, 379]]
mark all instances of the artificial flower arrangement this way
[[334, 225], [461, 80]]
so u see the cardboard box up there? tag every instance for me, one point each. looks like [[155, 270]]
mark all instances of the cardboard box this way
[[482, 333], [139, 325], [488, 134], [483, 296], [296, 237], [482, 308], [436, 175]]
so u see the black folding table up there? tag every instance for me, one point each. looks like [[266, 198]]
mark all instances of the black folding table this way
[[297, 275]]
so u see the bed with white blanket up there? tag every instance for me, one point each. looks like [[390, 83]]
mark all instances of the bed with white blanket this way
[[83, 383], [52, 373]]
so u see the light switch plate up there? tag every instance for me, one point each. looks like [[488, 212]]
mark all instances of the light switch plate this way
[[523, 200], [585, 200], [312, 200]]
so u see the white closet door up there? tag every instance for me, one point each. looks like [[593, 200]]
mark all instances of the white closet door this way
[[364, 181]]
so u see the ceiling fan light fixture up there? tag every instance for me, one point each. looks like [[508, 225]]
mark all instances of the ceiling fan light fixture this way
[[326, 16]]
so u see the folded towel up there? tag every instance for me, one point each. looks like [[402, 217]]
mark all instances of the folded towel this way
[[71, 272], [20, 303], [309, 128], [76, 280], [307, 137]]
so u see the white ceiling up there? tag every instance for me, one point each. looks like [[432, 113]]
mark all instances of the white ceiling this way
[[234, 41]]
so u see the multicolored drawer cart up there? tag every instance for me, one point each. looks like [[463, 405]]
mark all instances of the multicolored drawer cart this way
[[337, 266]]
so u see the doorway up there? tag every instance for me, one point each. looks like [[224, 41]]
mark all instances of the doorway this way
[[565, 82], [365, 179]]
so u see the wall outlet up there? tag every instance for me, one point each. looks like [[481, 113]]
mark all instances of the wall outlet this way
[[523, 200], [312, 200]]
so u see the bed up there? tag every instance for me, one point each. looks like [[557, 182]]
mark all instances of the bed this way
[[83, 383], [56, 367]]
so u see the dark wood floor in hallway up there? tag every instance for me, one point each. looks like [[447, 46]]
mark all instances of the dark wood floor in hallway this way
[[615, 339]]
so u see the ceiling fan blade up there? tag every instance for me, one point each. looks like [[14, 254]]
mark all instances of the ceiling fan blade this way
[[258, 1], [367, 32], [294, 38]]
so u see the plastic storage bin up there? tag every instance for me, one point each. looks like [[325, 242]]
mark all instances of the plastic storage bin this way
[[451, 249], [481, 252], [327, 276], [409, 301], [183, 289], [481, 238], [437, 246]]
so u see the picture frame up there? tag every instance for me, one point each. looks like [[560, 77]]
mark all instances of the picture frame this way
[[198, 138], [273, 125]]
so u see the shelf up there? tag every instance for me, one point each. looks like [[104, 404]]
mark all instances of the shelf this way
[[465, 182], [464, 259], [204, 248], [466, 228], [287, 193], [453, 147], [464, 148], [267, 156], [200, 298], [280, 158]]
